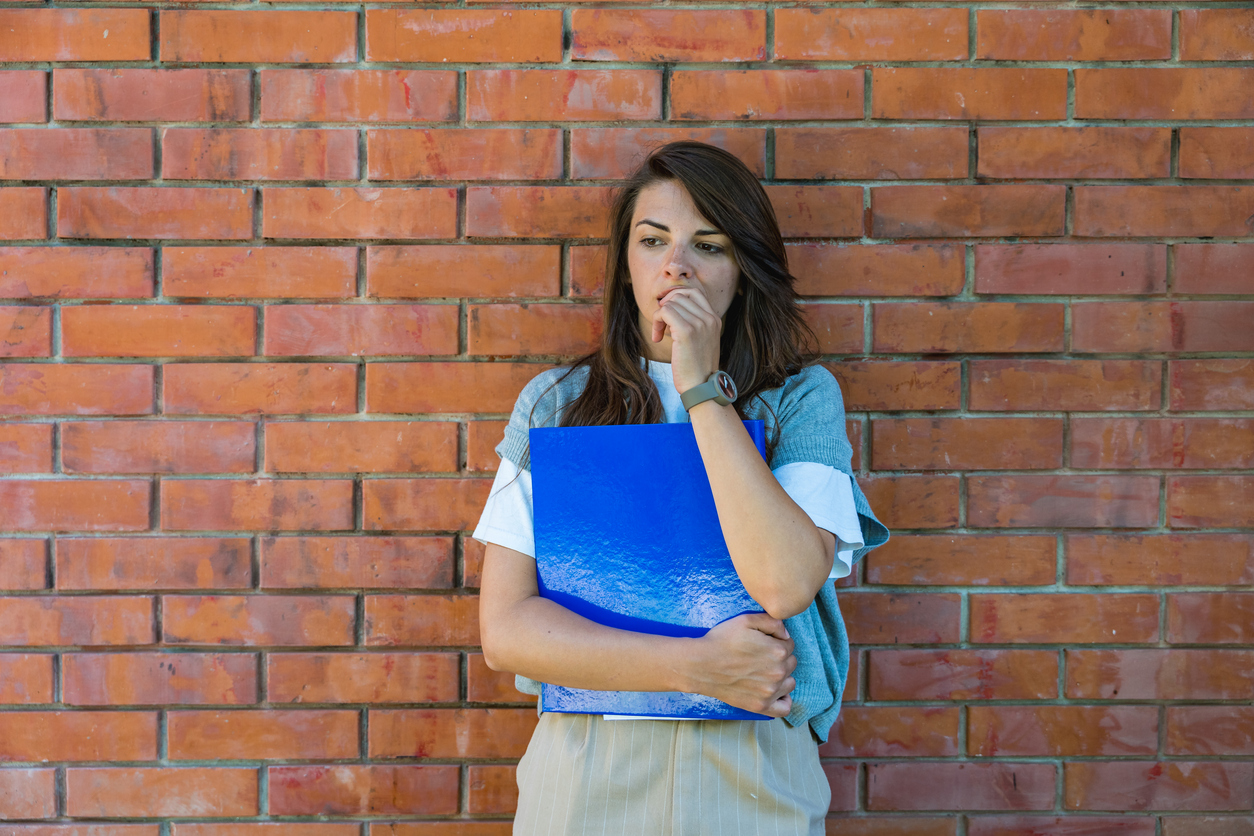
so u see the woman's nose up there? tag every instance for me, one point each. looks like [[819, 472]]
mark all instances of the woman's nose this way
[[679, 264]]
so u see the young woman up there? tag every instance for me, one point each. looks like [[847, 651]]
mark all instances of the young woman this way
[[699, 306]]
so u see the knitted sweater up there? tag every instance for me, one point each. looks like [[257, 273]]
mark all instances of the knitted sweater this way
[[809, 416]]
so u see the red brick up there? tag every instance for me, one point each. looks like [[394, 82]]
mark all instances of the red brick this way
[[356, 563], [1210, 730], [77, 620], [766, 94], [1210, 618], [23, 565], [363, 790], [355, 330], [27, 330], [1062, 731], [1071, 269], [144, 563], [919, 327], [451, 733], [493, 790], [1156, 674], [422, 620], [23, 213], [668, 35], [1065, 385], [1102, 443], [562, 95], [892, 618], [362, 677], [1065, 501], [23, 96], [457, 154], [78, 736], [1214, 268], [1217, 153], [966, 443], [838, 327], [272, 734], [899, 731], [486, 685], [258, 620], [248, 388], [537, 211], [817, 211], [1061, 826], [533, 329], [44, 389], [870, 34], [159, 679], [587, 270], [1164, 93], [472, 562], [28, 794], [304, 828], [1212, 384], [186, 791], [447, 828], [142, 95], [158, 331], [76, 35], [1064, 618], [914, 501], [1075, 152], [76, 272], [461, 35], [474, 270], [423, 504], [871, 153], [258, 154], [256, 272], [1162, 326], [265, 37], [968, 93], [76, 154], [963, 674], [358, 95], [359, 213], [1074, 35], [842, 778], [965, 560], [361, 446], [158, 447], [25, 678], [446, 387], [257, 504], [967, 211], [1216, 35], [74, 505], [1210, 501], [900, 384], [1173, 785], [25, 448], [151, 212], [1208, 825], [614, 153], [1167, 560], [960, 786]]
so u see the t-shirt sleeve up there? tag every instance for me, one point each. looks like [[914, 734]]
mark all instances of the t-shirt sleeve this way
[[826, 495], [507, 518]]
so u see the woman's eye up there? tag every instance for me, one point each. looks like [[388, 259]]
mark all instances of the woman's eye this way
[[650, 241], [712, 249]]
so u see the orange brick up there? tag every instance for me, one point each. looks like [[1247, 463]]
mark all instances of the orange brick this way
[[614, 153], [1216, 35], [1164, 93], [533, 329], [562, 95], [258, 620], [1205, 825], [1085, 618], [948, 560], [925, 327], [362, 447], [888, 386], [422, 620], [158, 447], [272, 734], [25, 448], [966, 443], [1210, 501], [461, 35], [1212, 384], [838, 327], [265, 504], [914, 501], [259, 272], [668, 35], [359, 213], [363, 790], [587, 270], [258, 154], [25, 678], [486, 685], [1161, 326], [158, 331], [355, 330], [76, 272], [186, 791], [493, 789], [23, 565], [871, 153], [967, 211], [42, 389], [1174, 785], [1160, 674], [451, 733], [961, 786], [475, 271], [144, 563], [472, 562], [28, 793], [1104, 211], [1201, 443], [76, 154], [879, 270], [423, 504], [1168, 560], [963, 674], [873, 731], [76, 35], [27, 330], [356, 563], [537, 211], [142, 95], [151, 212], [23, 213], [891, 618], [358, 95], [454, 154], [481, 440], [1075, 152], [1210, 618], [818, 211], [272, 388], [1065, 385], [1217, 153], [968, 93], [266, 37], [1062, 825], [446, 387], [304, 828], [362, 677], [23, 96], [1071, 269], [78, 736], [766, 94], [1062, 730], [81, 620], [871, 35], [1074, 34], [1209, 730], [159, 679], [74, 505], [1066, 501]]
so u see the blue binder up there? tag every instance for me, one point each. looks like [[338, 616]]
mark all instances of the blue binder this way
[[627, 535]]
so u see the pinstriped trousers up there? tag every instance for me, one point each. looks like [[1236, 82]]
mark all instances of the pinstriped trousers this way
[[585, 776]]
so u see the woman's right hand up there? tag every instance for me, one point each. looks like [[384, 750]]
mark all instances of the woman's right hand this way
[[746, 661]]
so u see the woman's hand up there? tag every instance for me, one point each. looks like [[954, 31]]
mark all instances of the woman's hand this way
[[695, 330], [746, 661]]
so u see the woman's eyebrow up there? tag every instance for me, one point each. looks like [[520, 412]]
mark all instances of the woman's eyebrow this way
[[666, 228]]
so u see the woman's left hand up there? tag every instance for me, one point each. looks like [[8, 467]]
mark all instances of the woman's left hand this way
[[695, 330]]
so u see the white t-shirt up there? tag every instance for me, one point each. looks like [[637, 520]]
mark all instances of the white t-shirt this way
[[822, 491]]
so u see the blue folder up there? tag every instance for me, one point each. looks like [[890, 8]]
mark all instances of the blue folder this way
[[627, 535]]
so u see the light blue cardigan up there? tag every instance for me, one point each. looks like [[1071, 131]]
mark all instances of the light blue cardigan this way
[[810, 417]]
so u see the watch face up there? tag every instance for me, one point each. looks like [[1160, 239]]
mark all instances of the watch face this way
[[726, 386]]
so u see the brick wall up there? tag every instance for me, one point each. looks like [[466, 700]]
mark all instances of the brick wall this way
[[271, 278]]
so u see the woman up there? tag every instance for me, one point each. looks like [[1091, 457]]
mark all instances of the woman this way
[[696, 282]]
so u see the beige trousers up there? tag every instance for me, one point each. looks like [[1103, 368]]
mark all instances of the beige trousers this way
[[583, 774]]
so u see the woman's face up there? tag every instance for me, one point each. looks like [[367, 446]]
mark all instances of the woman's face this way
[[670, 245]]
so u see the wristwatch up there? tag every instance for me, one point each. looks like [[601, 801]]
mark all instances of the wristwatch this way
[[719, 388]]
